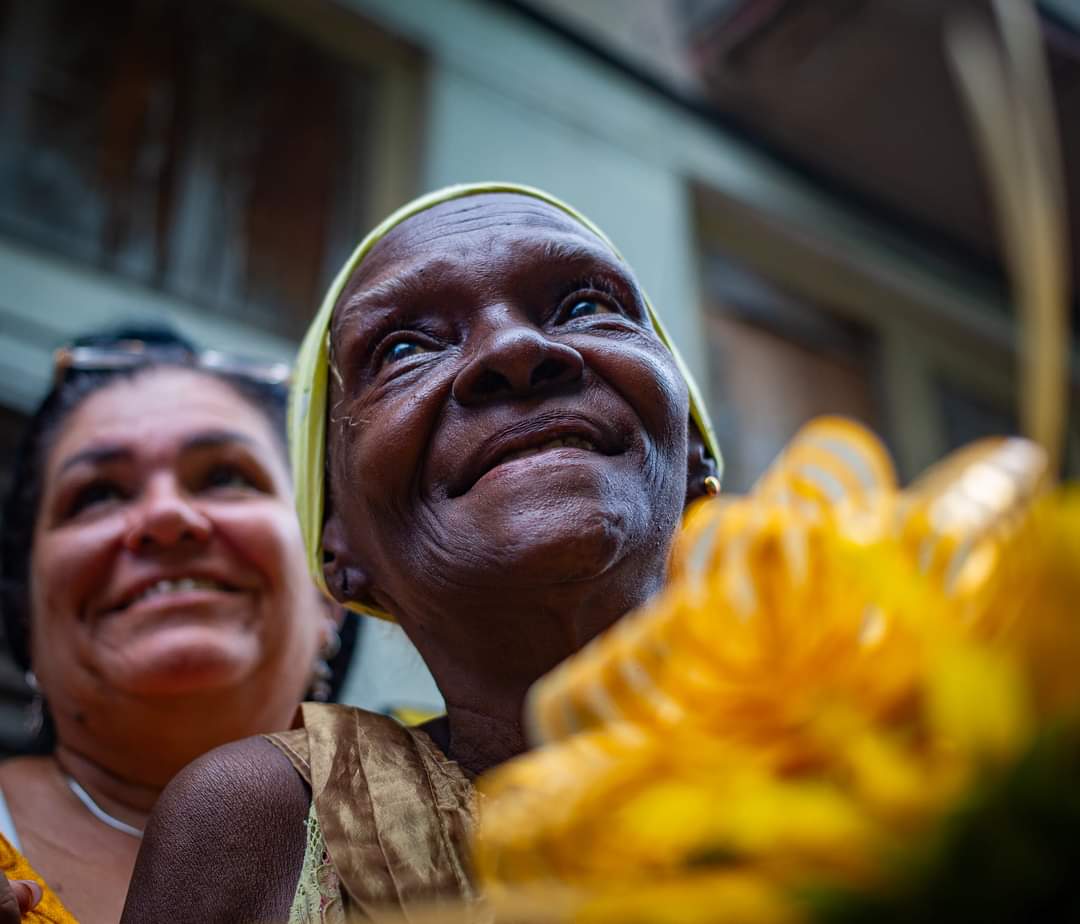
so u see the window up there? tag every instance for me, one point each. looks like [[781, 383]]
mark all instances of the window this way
[[777, 361], [203, 148]]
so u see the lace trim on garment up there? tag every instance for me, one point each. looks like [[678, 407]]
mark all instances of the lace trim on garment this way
[[318, 891]]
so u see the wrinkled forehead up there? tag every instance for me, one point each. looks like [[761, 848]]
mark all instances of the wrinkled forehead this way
[[469, 233]]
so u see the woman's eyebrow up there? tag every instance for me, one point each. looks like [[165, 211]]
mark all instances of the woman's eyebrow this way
[[574, 251], [96, 455], [396, 288], [110, 452], [371, 303], [211, 439]]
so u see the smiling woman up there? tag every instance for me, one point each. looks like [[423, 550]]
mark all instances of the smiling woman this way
[[155, 590], [493, 444]]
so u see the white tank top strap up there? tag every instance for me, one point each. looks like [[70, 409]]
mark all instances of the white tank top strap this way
[[7, 825]]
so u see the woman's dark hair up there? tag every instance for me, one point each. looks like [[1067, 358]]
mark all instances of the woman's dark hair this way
[[163, 348]]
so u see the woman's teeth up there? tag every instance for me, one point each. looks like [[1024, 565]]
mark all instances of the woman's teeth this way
[[569, 442], [177, 586]]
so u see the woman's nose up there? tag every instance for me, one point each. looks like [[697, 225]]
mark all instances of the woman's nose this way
[[165, 517], [516, 362]]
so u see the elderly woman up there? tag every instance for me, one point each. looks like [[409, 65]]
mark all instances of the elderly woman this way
[[155, 590], [494, 444]]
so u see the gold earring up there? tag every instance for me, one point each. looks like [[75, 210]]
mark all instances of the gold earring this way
[[712, 485]]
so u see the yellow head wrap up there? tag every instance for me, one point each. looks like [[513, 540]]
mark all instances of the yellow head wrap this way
[[307, 401]]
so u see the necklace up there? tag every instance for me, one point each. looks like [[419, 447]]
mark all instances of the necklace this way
[[98, 812]]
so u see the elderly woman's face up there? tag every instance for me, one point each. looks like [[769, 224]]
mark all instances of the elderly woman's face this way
[[502, 412], [167, 559]]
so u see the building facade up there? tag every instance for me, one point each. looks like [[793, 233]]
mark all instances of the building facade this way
[[210, 163]]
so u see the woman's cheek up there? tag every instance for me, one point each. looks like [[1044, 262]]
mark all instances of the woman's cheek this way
[[268, 537], [402, 423], [646, 377], [265, 536], [72, 568]]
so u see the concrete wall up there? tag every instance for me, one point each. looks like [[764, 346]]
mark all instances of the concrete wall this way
[[45, 300]]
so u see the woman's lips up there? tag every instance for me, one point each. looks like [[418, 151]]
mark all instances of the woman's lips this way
[[569, 442], [172, 590], [533, 438], [180, 601], [182, 585]]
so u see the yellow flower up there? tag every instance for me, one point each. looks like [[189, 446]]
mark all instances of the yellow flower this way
[[833, 666]]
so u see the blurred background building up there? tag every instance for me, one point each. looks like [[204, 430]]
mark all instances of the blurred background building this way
[[793, 180]]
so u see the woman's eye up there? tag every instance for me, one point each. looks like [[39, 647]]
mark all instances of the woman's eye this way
[[586, 307], [93, 495], [227, 476], [403, 349]]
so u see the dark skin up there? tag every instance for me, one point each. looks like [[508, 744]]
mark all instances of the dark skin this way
[[508, 455], [17, 897]]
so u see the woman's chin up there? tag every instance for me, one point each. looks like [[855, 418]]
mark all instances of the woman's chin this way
[[184, 660], [573, 542]]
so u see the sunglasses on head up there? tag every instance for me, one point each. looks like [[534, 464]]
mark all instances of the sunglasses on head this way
[[130, 354]]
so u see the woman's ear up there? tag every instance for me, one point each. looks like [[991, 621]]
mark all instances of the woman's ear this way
[[347, 581], [702, 476]]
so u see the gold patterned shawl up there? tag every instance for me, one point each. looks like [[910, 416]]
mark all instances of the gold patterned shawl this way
[[395, 814]]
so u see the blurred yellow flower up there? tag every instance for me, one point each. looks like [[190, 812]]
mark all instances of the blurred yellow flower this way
[[834, 666]]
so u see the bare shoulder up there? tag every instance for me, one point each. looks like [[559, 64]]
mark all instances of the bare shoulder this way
[[225, 842]]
